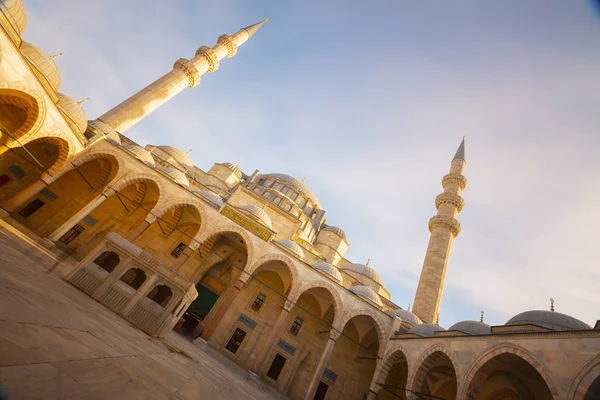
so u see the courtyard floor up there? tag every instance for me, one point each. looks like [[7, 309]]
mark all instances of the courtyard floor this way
[[58, 343]]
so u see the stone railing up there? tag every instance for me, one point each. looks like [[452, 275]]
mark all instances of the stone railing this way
[[135, 284]]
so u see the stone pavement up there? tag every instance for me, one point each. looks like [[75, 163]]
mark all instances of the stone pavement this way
[[58, 343]]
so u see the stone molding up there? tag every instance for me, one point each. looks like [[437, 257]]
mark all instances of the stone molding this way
[[450, 198], [456, 179], [420, 368], [227, 41], [190, 71], [210, 56], [445, 223]]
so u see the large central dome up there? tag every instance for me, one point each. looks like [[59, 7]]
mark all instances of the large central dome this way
[[298, 185]]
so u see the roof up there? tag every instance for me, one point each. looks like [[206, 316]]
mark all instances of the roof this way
[[73, 111], [43, 62], [177, 176], [472, 327], [460, 153], [329, 270], [299, 185], [548, 319], [259, 214], [292, 246], [406, 316], [367, 293], [364, 270], [178, 155], [335, 229], [15, 13], [426, 330], [211, 196], [141, 153]]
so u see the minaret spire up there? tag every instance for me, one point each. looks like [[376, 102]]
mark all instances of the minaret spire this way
[[444, 228], [185, 73]]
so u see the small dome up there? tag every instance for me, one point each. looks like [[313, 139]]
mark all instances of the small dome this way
[[472, 327], [426, 330], [15, 13], [177, 176], [73, 111], [293, 247], [43, 62], [140, 153], [335, 229], [259, 214], [98, 127], [299, 185], [548, 319], [178, 155], [364, 270], [211, 196], [234, 167], [367, 293], [329, 270], [406, 316]]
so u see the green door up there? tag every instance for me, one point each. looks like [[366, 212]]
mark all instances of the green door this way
[[203, 303]]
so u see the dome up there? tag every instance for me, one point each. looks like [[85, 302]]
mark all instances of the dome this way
[[101, 128], [426, 330], [43, 62], [548, 319], [335, 229], [73, 111], [329, 270], [259, 214], [211, 196], [367, 293], [472, 327], [178, 155], [293, 247], [177, 176], [15, 13], [234, 167], [364, 270], [298, 185], [406, 316], [142, 154]]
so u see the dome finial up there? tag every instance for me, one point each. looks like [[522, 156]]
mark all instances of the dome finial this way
[[552, 304], [460, 153], [80, 102], [481, 316], [368, 261], [54, 57], [408, 307], [303, 179], [437, 319], [188, 152]]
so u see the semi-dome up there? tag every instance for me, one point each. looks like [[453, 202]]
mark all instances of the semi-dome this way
[[177, 176], [258, 213], [426, 330], [367, 293], [211, 196], [142, 154], [298, 185], [364, 270], [406, 316], [292, 246], [329, 270], [548, 319], [472, 327], [335, 229], [73, 111], [178, 155], [43, 62], [234, 167], [15, 13]]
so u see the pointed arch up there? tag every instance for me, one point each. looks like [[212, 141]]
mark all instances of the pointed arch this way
[[221, 229], [161, 208], [21, 96], [128, 180], [338, 304], [476, 375], [64, 144], [397, 354], [423, 365], [369, 313], [285, 260], [584, 379]]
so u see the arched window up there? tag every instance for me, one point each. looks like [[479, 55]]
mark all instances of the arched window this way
[[134, 278], [161, 294], [107, 261]]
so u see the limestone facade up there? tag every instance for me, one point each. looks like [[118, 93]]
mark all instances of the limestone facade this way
[[248, 264]]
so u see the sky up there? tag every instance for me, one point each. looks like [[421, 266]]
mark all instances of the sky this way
[[369, 101]]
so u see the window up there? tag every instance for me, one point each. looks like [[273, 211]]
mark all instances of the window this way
[[276, 367], [17, 171], [161, 294], [178, 250], [321, 391], [236, 340], [4, 179], [107, 260], [258, 302], [134, 278], [31, 208], [71, 234], [296, 325]]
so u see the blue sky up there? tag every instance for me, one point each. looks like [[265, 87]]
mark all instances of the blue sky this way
[[369, 101]]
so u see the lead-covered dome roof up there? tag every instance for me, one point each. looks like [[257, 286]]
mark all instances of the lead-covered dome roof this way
[[426, 330], [177, 176], [178, 156], [15, 13], [472, 327], [43, 62], [234, 167], [140, 153], [258, 213], [335, 229], [292, 246], [298, 185], [367, 293], [73, 111], [329, 270], [364, 270], [548, 319], [211, 196], [406, 316]]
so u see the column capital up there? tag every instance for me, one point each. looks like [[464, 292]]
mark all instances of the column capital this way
[[210, 56], [334, 334], [445, 223], [190, 71]]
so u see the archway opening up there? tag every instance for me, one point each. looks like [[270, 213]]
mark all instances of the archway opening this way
[[593, 391], [120, 213], [63, 198], [394, 382], [108, 260], [18, 113], [508, 375], [436, 377], [161, 294]]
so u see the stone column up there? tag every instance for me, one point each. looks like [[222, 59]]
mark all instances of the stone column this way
[[314, 383], [140, 229], [112, 277], [19, 200], [375, 388], [273, 335], [231, 295], [64, 228], [140, 293]]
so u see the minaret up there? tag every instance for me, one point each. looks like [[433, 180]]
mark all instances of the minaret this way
[[185, 73], [444, 228]]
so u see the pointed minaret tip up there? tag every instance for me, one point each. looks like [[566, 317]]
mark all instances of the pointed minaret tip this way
[[252, 29], [460, 153]]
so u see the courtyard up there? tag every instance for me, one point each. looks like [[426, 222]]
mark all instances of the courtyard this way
[[58, 343]]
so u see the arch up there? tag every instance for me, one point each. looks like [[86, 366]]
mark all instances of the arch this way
[[94, 155], [221, 229], [584, 379], [134, 277], [128, 180], [65, 145], [424, 363], [369, 313], [23, 97], [108, 260], [160, 209], [473, 382], [161, 294], [287, 261], [337, 299], [395, 355]]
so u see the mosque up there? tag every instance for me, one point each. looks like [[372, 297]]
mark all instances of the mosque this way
[[248, 264]]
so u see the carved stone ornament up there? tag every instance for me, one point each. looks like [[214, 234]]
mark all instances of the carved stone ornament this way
[[446, 223], [227, 41], [210, 56], [450, 198], [456, 179], [189, 70]]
